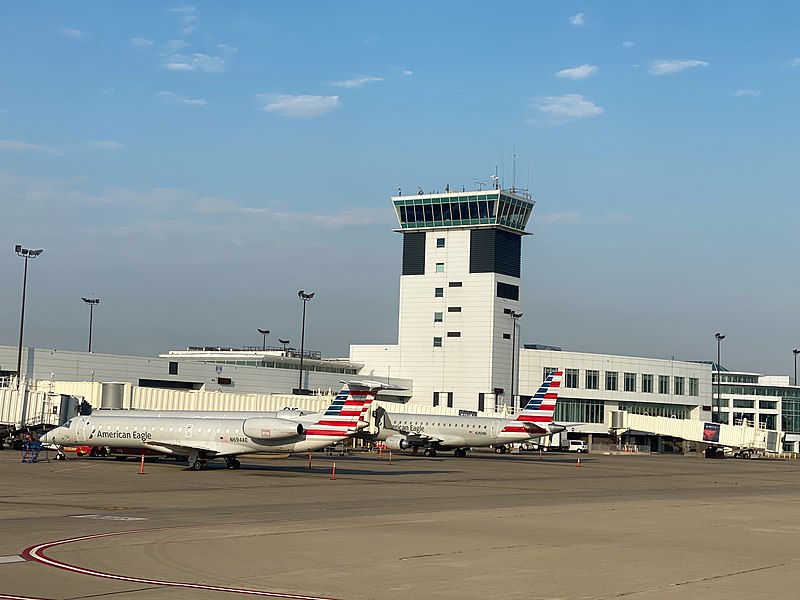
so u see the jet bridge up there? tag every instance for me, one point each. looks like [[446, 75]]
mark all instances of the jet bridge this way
[[739, 437]]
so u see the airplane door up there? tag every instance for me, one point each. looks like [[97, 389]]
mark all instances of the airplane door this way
[[495, 431], [84, 431], [189, 430]]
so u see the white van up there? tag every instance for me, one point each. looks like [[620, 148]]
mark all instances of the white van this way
[[578, 446]]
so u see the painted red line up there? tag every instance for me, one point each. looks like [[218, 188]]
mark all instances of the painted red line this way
[[37, 553]]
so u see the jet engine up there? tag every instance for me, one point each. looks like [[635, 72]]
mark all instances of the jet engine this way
[[397, 442], [262, 428]]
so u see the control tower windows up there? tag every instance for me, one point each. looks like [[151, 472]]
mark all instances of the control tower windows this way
[[440, 242], [440, 267], [438, 292], [438, 317]]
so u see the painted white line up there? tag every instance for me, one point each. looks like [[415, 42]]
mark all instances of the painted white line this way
[[75, 468], [36, 553], [108, 517], [11, 559]]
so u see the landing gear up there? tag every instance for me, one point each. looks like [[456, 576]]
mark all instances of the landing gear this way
[[429, 452], [500, 449], [460, 453], [232, 463], [199, 465]]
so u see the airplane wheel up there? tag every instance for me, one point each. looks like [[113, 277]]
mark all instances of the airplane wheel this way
[[461, 453], [430, 452], [500, 450], [199, 465], [233, 463]]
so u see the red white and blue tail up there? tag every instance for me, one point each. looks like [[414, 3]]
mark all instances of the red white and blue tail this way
[[347, 413], [539, 411]]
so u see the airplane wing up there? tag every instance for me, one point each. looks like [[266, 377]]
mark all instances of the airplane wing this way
[[422, 438], [211, 449]]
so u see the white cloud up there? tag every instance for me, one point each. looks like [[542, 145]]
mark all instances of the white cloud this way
[[173, 98], [746, 92], [578, 20], [174, 45], [670, 67], [582, 72], [141, 42], [17, 146], [569, 107], [407, 72], [187, 12], [628, 44], [357, 82], [226, 49], [197, 62], [298, 106], [795, 62], [74, 33]]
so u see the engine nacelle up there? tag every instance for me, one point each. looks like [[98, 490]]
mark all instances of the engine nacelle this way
[[262, 428], [397, 442]]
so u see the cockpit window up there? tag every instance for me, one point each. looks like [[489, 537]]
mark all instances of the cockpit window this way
[[68, 424]]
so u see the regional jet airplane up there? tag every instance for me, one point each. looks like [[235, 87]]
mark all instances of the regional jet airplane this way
[[206, 435], [447, 432]]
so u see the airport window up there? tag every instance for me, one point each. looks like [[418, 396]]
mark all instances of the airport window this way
[[650, 409], [437, 342], [571, 378], [438, 292], [449, 399], [768, 404], [647, 383], [481, 401], [438, 317], [579, 411], [440, 242], [663, 384], [694, 386], [592, 379], [455, 284], [743, 403], [440, 267], [436, 398], [173, 368], [506, 336], [547, 371], [611, 380], [678, 383], [630, 382], [453, 309], [453, 334]]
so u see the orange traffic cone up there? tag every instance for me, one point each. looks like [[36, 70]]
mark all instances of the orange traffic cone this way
[[141, 467], [578, 464]]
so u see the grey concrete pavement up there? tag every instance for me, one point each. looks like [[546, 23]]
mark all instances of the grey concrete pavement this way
[[643, 527]]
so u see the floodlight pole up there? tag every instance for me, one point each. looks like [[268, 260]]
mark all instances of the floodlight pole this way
[[305, 297], [92, 302], [515, 316], [719, 338], [26, 254]]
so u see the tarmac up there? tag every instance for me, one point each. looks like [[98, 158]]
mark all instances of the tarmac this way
[[510, 526]]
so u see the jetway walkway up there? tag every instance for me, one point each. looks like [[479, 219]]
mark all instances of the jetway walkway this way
[[718, 434]]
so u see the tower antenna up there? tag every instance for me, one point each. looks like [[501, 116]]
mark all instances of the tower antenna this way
[[514, 178]]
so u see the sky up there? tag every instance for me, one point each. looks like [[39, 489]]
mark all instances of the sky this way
[[195, 165]]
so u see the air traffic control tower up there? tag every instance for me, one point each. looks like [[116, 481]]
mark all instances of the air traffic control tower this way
[[460, 286]]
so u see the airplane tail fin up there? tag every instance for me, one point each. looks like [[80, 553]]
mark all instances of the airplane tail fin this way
[[347, 413], [540, 410]]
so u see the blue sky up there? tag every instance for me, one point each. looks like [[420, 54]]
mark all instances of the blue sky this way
[[194, 165]]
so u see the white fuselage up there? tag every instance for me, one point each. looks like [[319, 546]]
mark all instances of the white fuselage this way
[[448, 431], [177, 434]]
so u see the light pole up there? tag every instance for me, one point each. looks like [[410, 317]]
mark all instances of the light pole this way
[[285, 343], [265, 333], [26, 254], [719, 337], [515, 316], [92, 302], [305, 297], [796, 351]]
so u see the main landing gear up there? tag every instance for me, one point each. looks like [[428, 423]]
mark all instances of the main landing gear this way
[[199, 465], [460, 453], [232, 463], [429, 452]]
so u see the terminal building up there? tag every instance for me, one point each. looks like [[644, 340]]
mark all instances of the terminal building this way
[[459, 347]]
